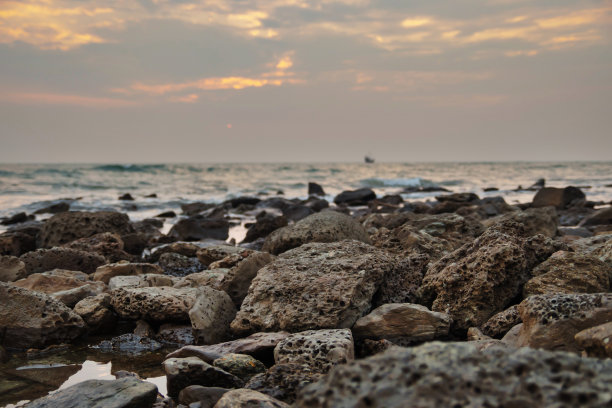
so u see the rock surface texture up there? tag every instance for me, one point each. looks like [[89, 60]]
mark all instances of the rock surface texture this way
[[248, 399], [158, 304]]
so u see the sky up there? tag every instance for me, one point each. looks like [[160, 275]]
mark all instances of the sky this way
[[132, 81]]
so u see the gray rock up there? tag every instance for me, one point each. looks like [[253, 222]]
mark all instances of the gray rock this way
[[11, 268], [175, 334], [283, 381], [159, 304], [183, 372], [237, 280], [179, 265], [43, 260], [402, 284], [198, 227], [33, 319], [402, 324], [241, 365], [207, 397], [211, 315], [122, 393], [248, 399], [128, 343], [327, 226], [462, 374], [316, 286], [355, 197]]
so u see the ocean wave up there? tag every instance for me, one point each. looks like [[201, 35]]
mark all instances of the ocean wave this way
[[133, 168], [398, 182]]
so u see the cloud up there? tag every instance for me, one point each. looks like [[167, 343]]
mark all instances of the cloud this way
[[65, 99]]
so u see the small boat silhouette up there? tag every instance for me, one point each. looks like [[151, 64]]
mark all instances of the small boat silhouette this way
[[368, 159]]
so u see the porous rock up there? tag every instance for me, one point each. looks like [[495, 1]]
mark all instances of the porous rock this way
[[107, 244], [464, 374], [198, 227], [596, 341], [11, 268], [211, 315], [43, 260], [243, 398], [214, 253], [543, 221], [104, 273], [557, 197], [237, 280], [207, 397], [96, 312], [500, 323], [551, 321], [179, 265], [159, 304], [175, 334], [183, 248], [327, 226], [402, 283], [283, 381], [241, 365], [402, 324], [34, 319], [315, 286], [599, 246]]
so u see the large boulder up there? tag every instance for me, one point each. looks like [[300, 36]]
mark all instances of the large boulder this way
[[158, 304], [43, 260], [104, 273], [327, 226], [211, 315], [551, 321], [68, 226], [569, 272], [199, 227], [483, 277], [126, 392], [107, 244], [543, 221], [460, 374], [315, 286], [557, 197], [33, 319], [402, 323]]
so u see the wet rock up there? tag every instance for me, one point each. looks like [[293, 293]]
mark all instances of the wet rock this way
[[197, 227], [320, 350], [11, 269], [283, 381], [355, 197], [237, 280], [178, 265], [16, 219], [569, 272], [297, 212], [69, 226], [402, 324], [551, 321], [122, 393], [315, 189], [265, 224], [211, 254], [175, 334], [327, 226], [166, 214], [128, 343], [402, 283], [459, 374], [238, 201], [258, 345], [195, 208], [500, 323], [211, 315], [43, 260], [33, 319], [241, 365], [596, 341], [106, 272], [557, 197], [56, 208], [243, 398], [207, 397], [483, 277], [16, 243], [601, 217], [183, 372], [109, 245], [315, 286], [96, 312], [126, 197], [452, 202], [159, 304]]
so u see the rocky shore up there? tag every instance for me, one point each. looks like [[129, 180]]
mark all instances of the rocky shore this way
[[365, 301]]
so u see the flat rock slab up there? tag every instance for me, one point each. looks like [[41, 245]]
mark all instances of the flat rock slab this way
[[459, 374], [315, 286], [123, 393]]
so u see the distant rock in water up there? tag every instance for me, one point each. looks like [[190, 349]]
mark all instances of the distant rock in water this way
[[54, 208], [315, 189], [557, 197], [126, 197], [355, 197]]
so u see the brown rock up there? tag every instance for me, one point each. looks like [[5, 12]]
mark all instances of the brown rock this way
[[207, 397], [211, 315], [557, 197], [601, 217], [107, 244], [182, 248], [237, 280], [11, 269], [96, 312], [159, 304], [283, 381], [242, 398], [43, 260], [104, 273], [596, 341], [499, 324], [47, 283], [534, 221], [183, 372], [16, 243], [402, 284]]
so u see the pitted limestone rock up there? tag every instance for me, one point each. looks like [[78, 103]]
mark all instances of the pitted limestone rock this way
[[158, 304], [183, 372], [211, 315], [243, 398], [43, 260], [596, 341], [105, 273], [500, 323], [241, 365], [283, 381]]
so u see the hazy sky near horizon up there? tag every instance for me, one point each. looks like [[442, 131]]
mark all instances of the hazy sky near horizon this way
[[296, 80]]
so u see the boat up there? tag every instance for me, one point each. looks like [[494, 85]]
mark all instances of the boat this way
[[368, 159]]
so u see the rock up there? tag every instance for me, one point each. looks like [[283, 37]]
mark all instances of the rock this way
[[109, 245], [158, 304], [367, 347], [4, 357], [46, 283], [207, 397], [241, 365], [16, 219], [258, 345], [551, 321], [11, 269], [214, 253], [106, 272], [266, 224], [483, 277], [238, 201], [128, 343], [315, 189], [236, 281], [96, 313], [210, 278], [16, 243], [320, 350], [403, 324], [355, 197], [197, 227], [69, 226], [315, 286], [452, 202], [317, 204], [596, 341], [500, 323], [140, 281], [283, 381], [178, 265], [196, 208], [460, 374], [70, 297], [33, 319], [166, 214], [474, 334], [122, 393], [402, 284], [297, 212], [557, 197], [43, 260], [56, 208], [174, 334], [599, 246], [184, 248], [534, 220], [211, 315], [569, 272], [242, 398], [126, 197], [183, 372], [327, 226], [601, 217]]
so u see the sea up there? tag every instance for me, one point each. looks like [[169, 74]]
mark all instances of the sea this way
[[94, 187]]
